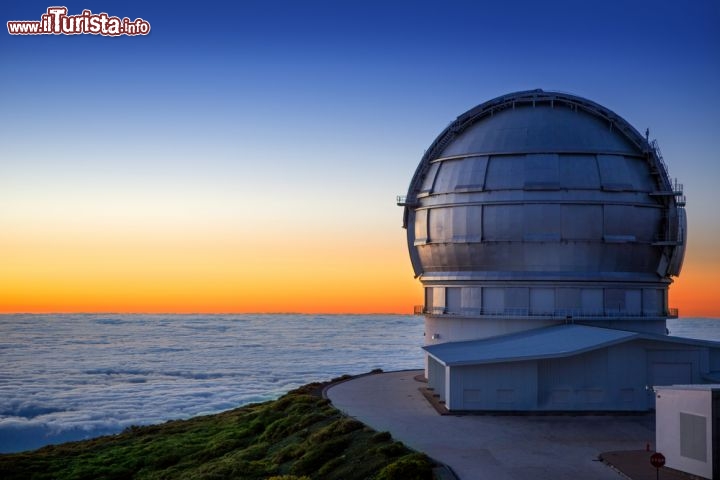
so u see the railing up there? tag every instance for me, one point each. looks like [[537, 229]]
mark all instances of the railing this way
[[674, 189], [661, 160], [402, 201], [677, 188], [566, 314]]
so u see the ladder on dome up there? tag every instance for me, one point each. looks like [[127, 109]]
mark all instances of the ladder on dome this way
[[659, 168], [668, 189]]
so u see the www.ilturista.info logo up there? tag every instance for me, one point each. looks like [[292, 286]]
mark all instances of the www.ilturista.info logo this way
[[57, 22]]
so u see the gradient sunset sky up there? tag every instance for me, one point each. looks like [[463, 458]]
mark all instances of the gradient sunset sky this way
[[245, 156]]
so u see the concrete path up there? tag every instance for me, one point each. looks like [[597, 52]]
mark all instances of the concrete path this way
[[480, 447]]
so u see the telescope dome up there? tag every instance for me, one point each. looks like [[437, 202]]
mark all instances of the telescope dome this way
[[544, 205]]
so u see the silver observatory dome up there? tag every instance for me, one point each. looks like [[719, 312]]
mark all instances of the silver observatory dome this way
[[538, 208]]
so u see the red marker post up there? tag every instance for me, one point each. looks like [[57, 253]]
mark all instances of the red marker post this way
[[657, 460]]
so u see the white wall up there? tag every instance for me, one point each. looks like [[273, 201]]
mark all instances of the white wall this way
[[670, 403], [457, 329]]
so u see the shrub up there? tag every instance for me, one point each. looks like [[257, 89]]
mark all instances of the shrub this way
[[395, 449], [290, 452], [338, 427], [415, 466], [318, 456], [382, 437], [286, 426]]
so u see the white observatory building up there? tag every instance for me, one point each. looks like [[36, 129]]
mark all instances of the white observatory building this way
[[545, 231]]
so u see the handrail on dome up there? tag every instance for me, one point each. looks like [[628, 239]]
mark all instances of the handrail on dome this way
[[665, 173]]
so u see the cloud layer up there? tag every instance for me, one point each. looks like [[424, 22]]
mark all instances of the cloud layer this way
[[68, 377]]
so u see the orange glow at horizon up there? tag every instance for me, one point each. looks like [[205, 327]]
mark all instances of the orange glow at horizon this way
[[155, 248], [216, 274], [695, 292], [169, 268]]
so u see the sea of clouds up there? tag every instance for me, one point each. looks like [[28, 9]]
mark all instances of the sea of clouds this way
[[69, 377]]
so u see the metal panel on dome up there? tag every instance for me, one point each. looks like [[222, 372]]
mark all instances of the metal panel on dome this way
[[542, 301], [638, 175], [453, 300], [614, 300], [505, 172], [615, 220], [438, 299], [428, 298], [457, 224], [591, 300], [420, 227], [493, 299], [467, 224], [440, 227], [500, 222], [472, 173], [633, 301], [542, 172], [678, 254], [578, 171], [652, 301], [645, 223], [471, 298], [517, 299], [568, 299], [582, 222], [448, 175], [613, 173], [429, 181], [541, 222]]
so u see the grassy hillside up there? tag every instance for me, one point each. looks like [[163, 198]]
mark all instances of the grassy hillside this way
[[297, 436]]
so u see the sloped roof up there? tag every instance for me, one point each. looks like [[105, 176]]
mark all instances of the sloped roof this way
[[549, 342]]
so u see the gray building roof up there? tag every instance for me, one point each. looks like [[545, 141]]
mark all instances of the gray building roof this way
[[549, 342]]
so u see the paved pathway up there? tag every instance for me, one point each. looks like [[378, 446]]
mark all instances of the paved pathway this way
[[480, 447]]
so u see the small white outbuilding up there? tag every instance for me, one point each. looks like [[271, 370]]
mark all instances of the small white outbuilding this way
[[687, 428]]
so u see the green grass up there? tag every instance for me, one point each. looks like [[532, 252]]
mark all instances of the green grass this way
[[299, 436]]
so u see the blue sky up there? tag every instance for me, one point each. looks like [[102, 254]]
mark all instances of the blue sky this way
[[316, 113]]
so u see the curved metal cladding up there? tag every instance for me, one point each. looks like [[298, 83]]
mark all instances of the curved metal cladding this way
[[543, 207]]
